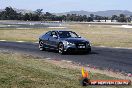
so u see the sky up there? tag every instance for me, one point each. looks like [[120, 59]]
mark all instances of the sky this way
[[68, 5]]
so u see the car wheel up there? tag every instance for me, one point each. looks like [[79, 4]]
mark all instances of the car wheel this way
[[61, 48], [88, 51], [41, 46]]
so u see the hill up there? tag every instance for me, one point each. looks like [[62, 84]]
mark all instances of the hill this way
[[100, 13]]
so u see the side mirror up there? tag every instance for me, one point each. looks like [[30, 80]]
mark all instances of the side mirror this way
[[54, 36]]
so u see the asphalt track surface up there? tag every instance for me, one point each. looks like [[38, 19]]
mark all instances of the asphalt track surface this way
[[104, 58]]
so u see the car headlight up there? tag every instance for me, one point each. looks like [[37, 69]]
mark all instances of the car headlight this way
[[68, 43], [89, 44]]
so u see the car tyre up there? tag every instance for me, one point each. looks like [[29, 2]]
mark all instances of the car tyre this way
[[89, 51], [61, 49], [41, 46]]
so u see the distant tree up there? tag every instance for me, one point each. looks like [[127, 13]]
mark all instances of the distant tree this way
[[114, 17], [48, 14], [92, 17], [68, 17], [63, 17], [80, 18], [84, 17], [128, 19], [20, 16], [39, 11], [131, 17], [97, 18], [105, 18], [73, 17], [9, 14], [0, 15], [26, 17], [122, 18]]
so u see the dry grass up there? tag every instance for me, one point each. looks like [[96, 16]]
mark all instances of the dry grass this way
[[26, 71], [99, 35], [104, 35], [21, 34]]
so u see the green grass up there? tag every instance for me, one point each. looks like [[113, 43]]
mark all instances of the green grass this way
[[26, 71]]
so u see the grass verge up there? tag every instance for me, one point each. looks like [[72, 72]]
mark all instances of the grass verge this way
[[99, 35], [29, 35], [26, 71], [104, 35]]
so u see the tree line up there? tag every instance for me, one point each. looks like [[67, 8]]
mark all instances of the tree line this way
[[10, 14]]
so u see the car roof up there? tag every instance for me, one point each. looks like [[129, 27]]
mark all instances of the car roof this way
[[60, 30]]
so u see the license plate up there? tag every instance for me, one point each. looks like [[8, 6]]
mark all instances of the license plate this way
[[81, 46]]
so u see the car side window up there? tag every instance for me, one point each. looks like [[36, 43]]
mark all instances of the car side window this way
[[53, 33], [73, 34], [46, 35]]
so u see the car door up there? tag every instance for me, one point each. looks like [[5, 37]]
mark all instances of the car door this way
[[53, 41], [45, 39]]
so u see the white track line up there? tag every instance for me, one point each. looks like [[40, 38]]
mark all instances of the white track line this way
[[113, 47], [63, 60], [20, 41], [94, 46], [48, 58], [2, 40], [56, 27], [36, 42], [66, 61], [69, 61]]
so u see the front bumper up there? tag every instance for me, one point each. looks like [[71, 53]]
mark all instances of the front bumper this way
[[76, 49]]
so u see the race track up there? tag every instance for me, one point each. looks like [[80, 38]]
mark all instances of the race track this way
[[104, 58]]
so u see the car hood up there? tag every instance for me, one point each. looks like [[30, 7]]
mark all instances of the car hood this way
[[76, 40]]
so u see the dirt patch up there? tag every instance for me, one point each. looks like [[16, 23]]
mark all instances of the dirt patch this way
[[70, 65]]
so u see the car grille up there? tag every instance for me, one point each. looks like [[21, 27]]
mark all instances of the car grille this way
[[81, 45]]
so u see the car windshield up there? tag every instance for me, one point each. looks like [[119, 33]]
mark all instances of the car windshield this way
[[68, 34]]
